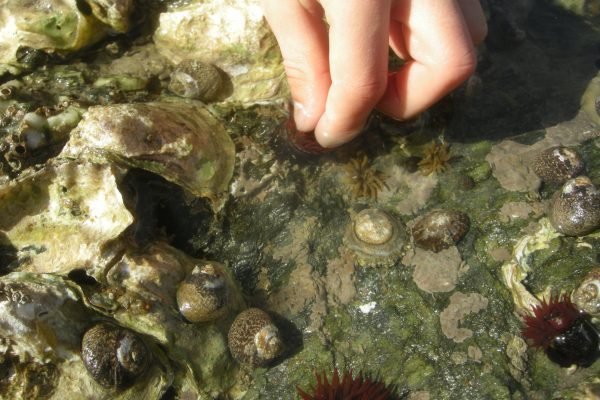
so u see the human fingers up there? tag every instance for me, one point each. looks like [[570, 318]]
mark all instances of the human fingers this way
[[358, 53], [302, 37], [475, 19], [438, 41]]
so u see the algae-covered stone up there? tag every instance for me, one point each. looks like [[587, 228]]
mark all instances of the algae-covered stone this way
[[182, 142], [231, 34], [461, 305]]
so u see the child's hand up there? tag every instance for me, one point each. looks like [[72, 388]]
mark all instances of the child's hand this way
[[338, 75]]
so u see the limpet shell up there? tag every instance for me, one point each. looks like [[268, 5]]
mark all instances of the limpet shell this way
[[440, 229], [375, 237]]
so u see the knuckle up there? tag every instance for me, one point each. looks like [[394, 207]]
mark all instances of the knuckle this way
[[368, 89], [302, 71], [461, 67]]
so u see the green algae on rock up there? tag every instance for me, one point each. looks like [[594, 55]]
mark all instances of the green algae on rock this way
[[180, 141]]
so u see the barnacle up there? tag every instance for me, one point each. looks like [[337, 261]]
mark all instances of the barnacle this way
[[364, 181], [435, 158]]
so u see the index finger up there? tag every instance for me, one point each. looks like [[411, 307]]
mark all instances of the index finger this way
[[358, 53]]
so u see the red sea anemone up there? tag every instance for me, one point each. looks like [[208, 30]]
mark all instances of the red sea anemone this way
[[564, 332], [348, 389], [304, 142]]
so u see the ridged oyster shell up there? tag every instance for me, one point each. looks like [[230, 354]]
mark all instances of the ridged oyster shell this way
[[180, 141], [56, 26], [42, 321], [63, 216], [139, 292], [231, 34]]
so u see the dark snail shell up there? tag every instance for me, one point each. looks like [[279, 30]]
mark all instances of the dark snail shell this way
[[195, 79], [254, 339], [114, 356], [575, 209], [440, 229], [204, 294], [558, 164]]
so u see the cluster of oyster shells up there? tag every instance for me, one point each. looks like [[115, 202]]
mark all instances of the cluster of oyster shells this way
[[82, 294], [69, 217]]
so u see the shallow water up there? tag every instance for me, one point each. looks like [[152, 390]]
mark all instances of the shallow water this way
[[434, 325]]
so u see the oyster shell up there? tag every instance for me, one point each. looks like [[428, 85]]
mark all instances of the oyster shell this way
[[43, 321], [63, 217], [140, 292], [182, 142], [113, 13], [231, 34], [33, 25]]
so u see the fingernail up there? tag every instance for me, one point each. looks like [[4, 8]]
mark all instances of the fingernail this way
[[334, 139], [302, 118], [328, 137]]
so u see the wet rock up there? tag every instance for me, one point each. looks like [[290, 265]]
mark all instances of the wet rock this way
[[461, 305]]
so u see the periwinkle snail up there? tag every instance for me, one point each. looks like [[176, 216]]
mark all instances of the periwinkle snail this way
[[114, 356], [558, 164], [204, 294], [253, 338], [575, 209], [196, 80]]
